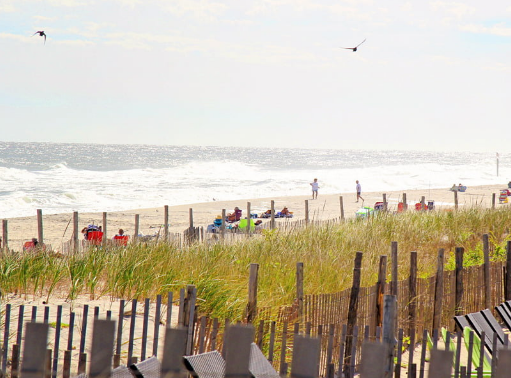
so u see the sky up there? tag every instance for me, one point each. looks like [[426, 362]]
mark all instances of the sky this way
[[431, 75]]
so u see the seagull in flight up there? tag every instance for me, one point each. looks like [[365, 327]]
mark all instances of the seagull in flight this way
[[41, 33], [353, 48]]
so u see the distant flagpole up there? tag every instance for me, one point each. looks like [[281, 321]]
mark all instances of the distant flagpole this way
[[497, 164]]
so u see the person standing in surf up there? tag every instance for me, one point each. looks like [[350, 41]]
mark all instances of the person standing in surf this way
[[315, 187], [359, 191]]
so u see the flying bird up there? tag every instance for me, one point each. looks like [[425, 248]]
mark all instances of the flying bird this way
[[41, 33], [353, 48]]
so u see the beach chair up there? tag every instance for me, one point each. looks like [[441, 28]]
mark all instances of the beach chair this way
[[95, 237], [150, 368], [206, 365], [29, 245], [121, 239], [504, 311], [483, 321]]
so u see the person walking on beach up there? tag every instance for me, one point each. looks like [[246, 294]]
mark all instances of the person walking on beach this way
[[315, 187], [359, 191]]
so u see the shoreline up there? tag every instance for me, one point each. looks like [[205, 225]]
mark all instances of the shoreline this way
[[57, 228]]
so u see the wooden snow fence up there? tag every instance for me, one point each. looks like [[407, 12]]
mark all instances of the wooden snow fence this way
[[237, 358]]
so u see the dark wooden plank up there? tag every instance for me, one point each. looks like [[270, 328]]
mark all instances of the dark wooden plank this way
[[299, 290], [251, 310], [353, 308], [380, 291], [71, 331], [412, 294], [15, 361], [157, 317], [458, 301], [439, 290], [131, 339], [66, 365], [84, 328], [423, 354], [283, 350], [34, 314], [19, 335], [56, 344], [5, 345], [145, 326], [486, 271], [271, 345]]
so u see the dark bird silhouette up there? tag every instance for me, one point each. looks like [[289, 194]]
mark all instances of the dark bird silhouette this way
[[353, 48], [41, 33]]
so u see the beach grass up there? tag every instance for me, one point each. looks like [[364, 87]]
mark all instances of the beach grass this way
[[220, 270]]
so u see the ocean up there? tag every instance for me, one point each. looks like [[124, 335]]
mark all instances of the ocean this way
[[65, 177]]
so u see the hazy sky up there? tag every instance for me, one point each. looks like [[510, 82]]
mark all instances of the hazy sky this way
[[432, 75]]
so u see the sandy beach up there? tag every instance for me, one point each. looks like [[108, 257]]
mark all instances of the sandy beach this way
[[58, 227]]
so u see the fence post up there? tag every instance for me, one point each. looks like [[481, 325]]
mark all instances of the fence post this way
[[299, 289], [105, 228], [222, 227], [189, 315], [341, 203], [405, 204], [412, 296], [380, 290], [272, 219], [190, 215], [352, 310], [393, 256], [306, 211], [487, 278], [166, 223], [455, 200], [137, 226], [439, 290], [458, 307], [507, 292], [389, 332], [385, 202], [40, 235], [75, 231], [251, 311], [248, 218], [5, 235], [493, 196]]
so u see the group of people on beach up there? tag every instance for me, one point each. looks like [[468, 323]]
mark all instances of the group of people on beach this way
[[315, 188]]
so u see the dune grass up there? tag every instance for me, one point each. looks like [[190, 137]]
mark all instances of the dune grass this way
[[220, 271]]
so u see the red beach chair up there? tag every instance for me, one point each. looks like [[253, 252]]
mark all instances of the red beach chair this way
[[121, 239], [95, 237]]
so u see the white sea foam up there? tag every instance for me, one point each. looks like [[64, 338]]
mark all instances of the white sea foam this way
[[62, 180]]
